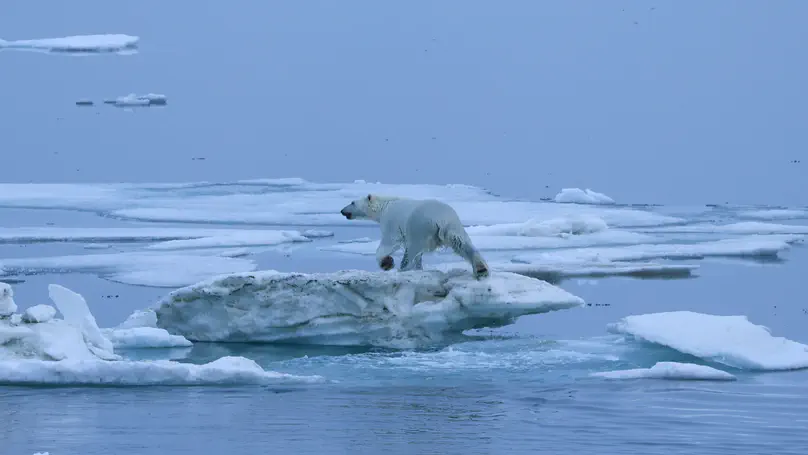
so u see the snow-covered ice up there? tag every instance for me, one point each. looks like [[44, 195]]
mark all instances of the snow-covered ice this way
[[76, 43], [74, 351], [144, 269], [236, 238], [296, 202], [213, 236], [393, 309], [730, 340], [38, 314], [745, 227], [670, 370], [747, 246], [579, 196], [536, 227], [223, 371], [774, 214]]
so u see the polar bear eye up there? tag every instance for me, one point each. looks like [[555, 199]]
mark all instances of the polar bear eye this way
[[369, 197]]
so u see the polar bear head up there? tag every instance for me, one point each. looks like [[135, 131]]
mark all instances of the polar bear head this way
[[369, 207], [363, 208]]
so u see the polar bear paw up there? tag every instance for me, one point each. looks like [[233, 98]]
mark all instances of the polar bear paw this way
[[480, 271], [387, 263]]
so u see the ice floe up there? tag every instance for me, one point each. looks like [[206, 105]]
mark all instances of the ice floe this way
[[134, 100], [393, 309], [206, 237], [138, 268], [579, 196], [74, 351], [670, 370], [77, 44], [746, 227], [296, 202], [774, 214], [730, 340], [38, 314], [747, 246], [535, 227]]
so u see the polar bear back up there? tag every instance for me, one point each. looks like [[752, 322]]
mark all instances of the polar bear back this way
[[420, 219]]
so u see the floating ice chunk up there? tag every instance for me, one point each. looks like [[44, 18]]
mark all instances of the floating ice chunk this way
[[393, 309], [670, 370], [730, 340], [237, 238], [317, 233], [774, 214], [746, 227], [48, 341], [38, 314], [7, 305], [223, 371], [144, 269], [579, 196], [75, 312], [749, 246], [76, 44], [534, 227], [144, 337], [133, 100]]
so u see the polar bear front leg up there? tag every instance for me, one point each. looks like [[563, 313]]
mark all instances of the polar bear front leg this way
[[384, 254]]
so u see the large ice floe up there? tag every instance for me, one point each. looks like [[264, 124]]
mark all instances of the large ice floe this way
[[77, 44], [37, 348], [729, 340], [393, 309]]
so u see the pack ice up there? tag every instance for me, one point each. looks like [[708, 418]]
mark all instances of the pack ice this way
[[37, 348], [393, 309]]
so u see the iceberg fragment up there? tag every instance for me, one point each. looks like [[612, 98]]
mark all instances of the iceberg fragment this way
[[392, 309]]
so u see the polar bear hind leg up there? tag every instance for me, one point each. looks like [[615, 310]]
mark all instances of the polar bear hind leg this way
[[461, 244]]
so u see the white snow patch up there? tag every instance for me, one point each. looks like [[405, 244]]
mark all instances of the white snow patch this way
[[7, 305], [729, 340], [317, 233], [670, 370], [145, 269], [38, 313], [579, 196], [76, 43], [394, 309], [554, 271]]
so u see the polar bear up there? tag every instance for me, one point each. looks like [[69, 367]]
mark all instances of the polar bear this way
[[419, 225]]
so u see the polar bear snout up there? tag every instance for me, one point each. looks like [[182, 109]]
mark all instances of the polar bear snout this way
[[345, 213]]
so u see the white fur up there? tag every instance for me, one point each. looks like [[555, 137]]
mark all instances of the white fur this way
[[419, 226]]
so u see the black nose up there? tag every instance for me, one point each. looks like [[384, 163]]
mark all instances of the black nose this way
[[342, 212]]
